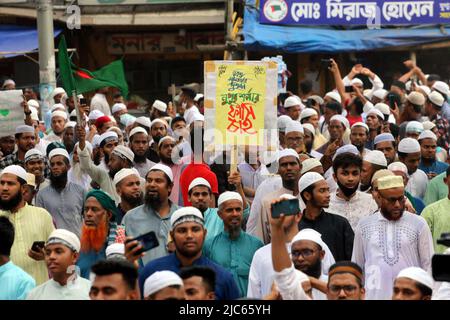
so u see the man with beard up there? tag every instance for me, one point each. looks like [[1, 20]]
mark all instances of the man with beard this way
[[337, 127], [7, 145], [30, 223], [385, 142], [409, 153], [58, 121], [128, 187], [373, 161], [391, 240], [374, 120], [188, 234], [25, 140], [35, 164], [233, 249], [75, 174], [138, 143], [154, 214], [294, 137], [61, 253], [358, 137], [348, 201], [428, 162], [158, 110], [335, 230], [158, 129], [64, 200], [99, 230], [68, 136]]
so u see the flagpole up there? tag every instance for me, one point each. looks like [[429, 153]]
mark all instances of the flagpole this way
[[77, 110]]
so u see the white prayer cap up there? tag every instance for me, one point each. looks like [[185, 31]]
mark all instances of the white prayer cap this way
[[59, 113], [33, 154], [16, 170], [310, 235], [408, 85], [308, 112], [24, 129], [228, 195], [58, 106], [65, 237], [144, 121], [428, 125], [376, 112], [287, 196], [123, 173], [95, 114], [115, 250], [123, 151], [198, 96], [8, 82], [425, 89], [70, 124], [164, 139], [317, 99], [383, 137], [138, 130], [427, 134], [309, 164], [409, 145], [341, 119], [282, 122], [383, 107], [160, 280], [96, 141], [368, 93], [116, 130], [186, 214], [346, 148], [381, 173], [163, 168], [157, 120], [57, 91], [436, 98], [108, 135], [287, 153], [356, 81], [159, 105], [416, 98], [199, 182], [118, 107], [361, 124], [308, 179], [309, 127], [390, 182], [398, 166], [376, 157], [31, 179], [33, 103], [442, 87], [334, 95], [292, 101], [34, 114], [414, 126], [417, 274], [380, 93], [58, 152], [294, 126]]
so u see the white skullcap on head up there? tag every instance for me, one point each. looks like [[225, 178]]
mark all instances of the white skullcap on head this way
[[287, 196], [416, 98], [31, 179], [398, 166], [368, 93], [118, 107], [199, 182], [65, 237], [308, 112], [59, 152], [8, 82], [309, 164], [376, 157], [123, 173], [425, 89], [361, 124], [409, 145], [58, 106], [33, 103], [159, 105], [32, 154], [346, 148], [282, 122], [16, 170], [442, 87], [383, 107], [228, 195], [292, 101], [383, 137], [166, 138], [294, 126], [95, 114], [58, 113], [308, 179], [24, 129], [144, 121], [123, 151], [106, 135], [427, 134], [116, 130], [34, 114], [334, 95], [157, 120], [436, 98], [115, 250], [380, 93], [414, 126], [417, 274], [163, 168], [58, 90], [70, 124], [138, 130], [198, 96], [341, 119], [96, 141], [376, 112], [186, 214], [310, 235], [310, 128], [287, 153], [317, 99], [356, 81], [428, 125], [160, 280]]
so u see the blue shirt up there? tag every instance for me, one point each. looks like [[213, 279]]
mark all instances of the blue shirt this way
[[226, 288], [14, 282], [437, 167]]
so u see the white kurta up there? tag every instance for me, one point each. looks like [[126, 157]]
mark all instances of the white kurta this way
[[383, 248], [417, 184], [289, 284], [99, 102], [52, 290]]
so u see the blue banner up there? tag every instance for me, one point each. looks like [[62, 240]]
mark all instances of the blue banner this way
[[348, 12]]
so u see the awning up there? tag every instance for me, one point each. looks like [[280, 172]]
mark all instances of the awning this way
[[297, 39], [18, 40]]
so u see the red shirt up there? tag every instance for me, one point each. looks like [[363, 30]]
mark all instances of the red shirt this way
[[193, 171], [353, 119]]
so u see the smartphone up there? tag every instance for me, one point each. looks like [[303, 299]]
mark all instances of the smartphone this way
[[440, 266], [349, 89], [38, 246], [287, 207], [325, 63], [148, 241]]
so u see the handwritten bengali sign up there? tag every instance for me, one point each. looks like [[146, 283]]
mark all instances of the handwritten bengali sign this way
[[348, 12], [11, 111]]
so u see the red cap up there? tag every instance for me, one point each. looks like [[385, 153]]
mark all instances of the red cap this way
[[101, 121]]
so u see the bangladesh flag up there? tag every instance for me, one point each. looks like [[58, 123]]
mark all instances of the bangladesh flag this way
[[275, 7], [82, 80]]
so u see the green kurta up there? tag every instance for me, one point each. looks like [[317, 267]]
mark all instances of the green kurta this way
[[437, 216], [214, 224], [436, 189]]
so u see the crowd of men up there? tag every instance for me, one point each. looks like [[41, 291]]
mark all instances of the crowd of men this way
[[367, 163]]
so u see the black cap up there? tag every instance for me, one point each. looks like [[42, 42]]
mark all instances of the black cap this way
[[190, 90]]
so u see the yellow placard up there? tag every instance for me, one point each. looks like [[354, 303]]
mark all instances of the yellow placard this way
[[240, 103]]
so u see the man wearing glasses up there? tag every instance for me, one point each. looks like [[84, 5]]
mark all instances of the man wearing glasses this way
[[390, 240]]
